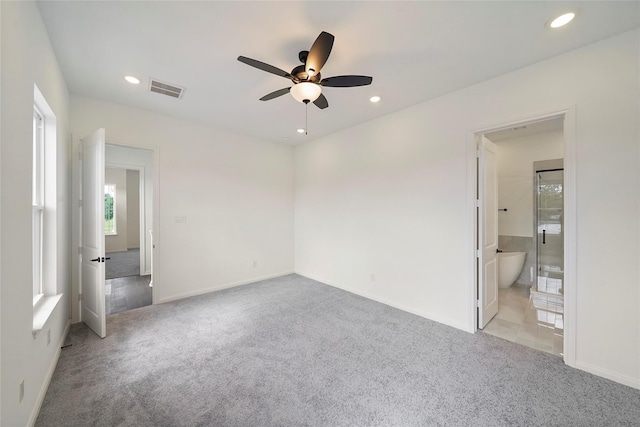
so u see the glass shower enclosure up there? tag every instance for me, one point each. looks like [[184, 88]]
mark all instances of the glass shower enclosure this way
[[550, 233], [547, 294]]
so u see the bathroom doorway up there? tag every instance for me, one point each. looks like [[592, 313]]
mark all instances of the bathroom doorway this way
[[530, 226]]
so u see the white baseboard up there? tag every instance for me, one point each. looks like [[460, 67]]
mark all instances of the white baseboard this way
[[47, 380], [436, 318], [608, 374], [220, 287]]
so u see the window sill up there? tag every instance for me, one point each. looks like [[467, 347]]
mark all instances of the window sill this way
[[42, 311]]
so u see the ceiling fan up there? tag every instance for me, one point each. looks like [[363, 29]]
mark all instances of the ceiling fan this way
[[306, 78]]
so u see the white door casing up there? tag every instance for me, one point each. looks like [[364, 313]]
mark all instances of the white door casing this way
[[487, 232], [92, 308]]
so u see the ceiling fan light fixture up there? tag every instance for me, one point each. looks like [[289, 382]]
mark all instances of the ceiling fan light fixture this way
[[306, 91]]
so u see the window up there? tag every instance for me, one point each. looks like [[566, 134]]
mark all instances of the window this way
[[37, 203], [43, 213], [110, 209]]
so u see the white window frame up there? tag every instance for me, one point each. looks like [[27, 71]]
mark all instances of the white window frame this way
[[114, 231], [37, 204], [44, 214]]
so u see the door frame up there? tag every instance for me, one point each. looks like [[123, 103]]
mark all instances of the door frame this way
[[76, 219], [155, 226], [570, 211]]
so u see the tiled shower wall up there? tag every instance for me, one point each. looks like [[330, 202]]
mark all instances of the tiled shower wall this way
[[520, 244]]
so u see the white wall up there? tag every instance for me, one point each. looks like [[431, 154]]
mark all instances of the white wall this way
[[118, 242], [27, 58], [391, 198], [515, 178], [224, 200], [133, 209]]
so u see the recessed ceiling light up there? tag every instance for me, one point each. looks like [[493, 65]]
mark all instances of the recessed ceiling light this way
[[563, 19], [132, 80], [374, 98], [300, 130]]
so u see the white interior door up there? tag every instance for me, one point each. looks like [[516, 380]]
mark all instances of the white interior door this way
[[92, 309], [487, 232]]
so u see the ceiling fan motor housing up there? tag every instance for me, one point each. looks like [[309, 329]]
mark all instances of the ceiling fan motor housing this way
[[302, 75]]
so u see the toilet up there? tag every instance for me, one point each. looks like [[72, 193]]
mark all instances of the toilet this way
[[510, 265]]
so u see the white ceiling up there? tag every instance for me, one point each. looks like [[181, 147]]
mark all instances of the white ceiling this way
[[415, 51]]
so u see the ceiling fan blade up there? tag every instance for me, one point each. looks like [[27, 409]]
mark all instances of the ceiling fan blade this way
[[319, 53], [346, 81], [321, 102], [275, 94], [265, 67]]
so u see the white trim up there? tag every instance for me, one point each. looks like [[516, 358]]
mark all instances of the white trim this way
[[219, 287], [436, 318], [472, 245], [608, 374], [570, 238], [570, 242], [156, 274], [42, 311], [49, 199], [47, 380]]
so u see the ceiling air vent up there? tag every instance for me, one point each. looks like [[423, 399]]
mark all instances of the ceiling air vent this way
[[165, 89]]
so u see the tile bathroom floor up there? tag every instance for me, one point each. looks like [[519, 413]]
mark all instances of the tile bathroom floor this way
[[531, 319]]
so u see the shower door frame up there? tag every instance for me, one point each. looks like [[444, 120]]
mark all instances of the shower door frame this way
[[544, 166]]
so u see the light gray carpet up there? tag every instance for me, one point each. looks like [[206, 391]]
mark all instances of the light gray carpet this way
[[295, 352], [122, 264]]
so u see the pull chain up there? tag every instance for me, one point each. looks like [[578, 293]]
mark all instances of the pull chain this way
[[306, 118]]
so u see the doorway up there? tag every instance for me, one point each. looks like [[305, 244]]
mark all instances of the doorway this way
[[527, 313], [122, 220], [127, 218]]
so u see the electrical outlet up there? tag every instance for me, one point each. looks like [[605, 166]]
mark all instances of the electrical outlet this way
[[48, 336], [21, 392], [255, 264]]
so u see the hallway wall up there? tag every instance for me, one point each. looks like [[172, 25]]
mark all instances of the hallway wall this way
[[118, 242]]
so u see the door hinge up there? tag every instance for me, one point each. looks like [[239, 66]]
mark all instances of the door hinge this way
[[79, 250], [80, 203], [79, 297], [477, 303], [477, 253], [477, 203], [478, 153]]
